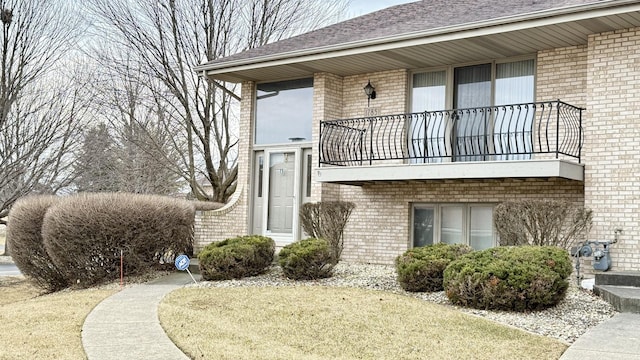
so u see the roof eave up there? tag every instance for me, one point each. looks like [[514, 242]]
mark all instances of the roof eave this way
[[467, 30]]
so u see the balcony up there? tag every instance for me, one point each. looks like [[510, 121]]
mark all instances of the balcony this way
[[533, 140]]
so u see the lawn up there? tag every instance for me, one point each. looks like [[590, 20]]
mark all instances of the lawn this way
[[34, 326], [314, 322]]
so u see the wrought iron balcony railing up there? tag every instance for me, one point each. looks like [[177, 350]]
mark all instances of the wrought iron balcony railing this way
[[506, 132]]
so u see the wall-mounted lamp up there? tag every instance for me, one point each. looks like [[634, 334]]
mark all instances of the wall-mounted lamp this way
[[370, 91]]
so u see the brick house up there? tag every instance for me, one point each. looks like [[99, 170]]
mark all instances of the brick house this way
[[465, 115]]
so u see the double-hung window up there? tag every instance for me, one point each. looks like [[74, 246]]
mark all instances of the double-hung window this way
[[470, 224]]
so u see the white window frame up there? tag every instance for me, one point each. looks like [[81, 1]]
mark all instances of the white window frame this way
[[450, 70], [437, 221]]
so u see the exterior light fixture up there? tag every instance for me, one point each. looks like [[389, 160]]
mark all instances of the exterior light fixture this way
[[370, 91]]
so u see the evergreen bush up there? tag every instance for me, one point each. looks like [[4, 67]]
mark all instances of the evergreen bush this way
[[420, 269], [236, 258], [516, 278], [307, 259]]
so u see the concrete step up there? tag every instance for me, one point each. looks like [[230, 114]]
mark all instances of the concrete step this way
[[194, 266], [619, 278], [623, 298]]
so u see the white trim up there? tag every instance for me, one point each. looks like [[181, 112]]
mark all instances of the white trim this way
[[442, 34], [437, 220], [281, 239], [453, 170]]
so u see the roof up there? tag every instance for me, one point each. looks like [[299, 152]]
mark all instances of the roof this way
[[416, 20]]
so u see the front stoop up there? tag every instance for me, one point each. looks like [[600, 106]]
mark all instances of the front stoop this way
[[620, 289], [194, 266]]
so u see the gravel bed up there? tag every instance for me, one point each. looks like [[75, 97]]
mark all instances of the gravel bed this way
[[578, 312]]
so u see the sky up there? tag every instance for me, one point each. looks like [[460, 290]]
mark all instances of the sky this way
[[361, 7]]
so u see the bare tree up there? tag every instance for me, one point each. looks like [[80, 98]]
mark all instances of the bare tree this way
[[143, 151], [38, 117], [39, 135], [169, 37]]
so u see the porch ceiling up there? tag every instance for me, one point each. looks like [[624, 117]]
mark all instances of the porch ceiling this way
[[513, 169], [449, 46]]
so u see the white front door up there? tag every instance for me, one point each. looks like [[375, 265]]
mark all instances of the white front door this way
[[281, 185]]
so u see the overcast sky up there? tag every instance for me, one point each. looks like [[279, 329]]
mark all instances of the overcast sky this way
[[361, 7]]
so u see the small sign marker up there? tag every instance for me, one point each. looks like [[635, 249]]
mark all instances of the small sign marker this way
[[182, 264]]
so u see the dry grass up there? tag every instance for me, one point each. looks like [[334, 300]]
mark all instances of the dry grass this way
[[43, 327], [335, 323], [14, 289]]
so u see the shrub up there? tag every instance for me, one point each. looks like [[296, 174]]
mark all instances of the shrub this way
[[307, 259], [327, 220], [236, 257], [541, 222], [517, 278], [421, 268], [24, 237], [84, 234]]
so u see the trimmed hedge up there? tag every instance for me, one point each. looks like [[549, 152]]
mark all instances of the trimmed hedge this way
[[307, 259], [24, 239], [85, 233], [236, 257], [519, 278], [420, 269]]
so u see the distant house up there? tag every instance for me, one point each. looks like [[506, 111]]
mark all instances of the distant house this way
[[476, 102]]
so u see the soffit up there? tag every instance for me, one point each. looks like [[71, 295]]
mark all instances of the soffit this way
[[431, 51]]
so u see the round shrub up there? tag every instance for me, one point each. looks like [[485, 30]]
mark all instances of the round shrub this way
[[420, 269], [84, 234], [516, 278], [24, 239], [236, 257], [307, 259]]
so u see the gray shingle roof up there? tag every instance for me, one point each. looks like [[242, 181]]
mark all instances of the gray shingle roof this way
[[403, 19]]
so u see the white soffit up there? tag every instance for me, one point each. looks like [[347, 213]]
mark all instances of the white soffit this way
[[518, 35]]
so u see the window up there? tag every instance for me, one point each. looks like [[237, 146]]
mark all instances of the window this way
[[427, 135], [470, 224], [284, 111], [493, 133], [260, 175], [423, 226], [429, 91]]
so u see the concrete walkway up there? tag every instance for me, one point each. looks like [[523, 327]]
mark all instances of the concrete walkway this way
[[617, 338], [126, 325]]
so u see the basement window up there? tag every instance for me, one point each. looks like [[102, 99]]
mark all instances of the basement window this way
[[470, 224]]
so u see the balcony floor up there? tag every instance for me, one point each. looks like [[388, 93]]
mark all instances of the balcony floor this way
[[360, 175]]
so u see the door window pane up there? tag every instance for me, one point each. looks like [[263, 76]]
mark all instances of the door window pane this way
[[260, 174], [472, 89], [472, 86], [427, 133], [423, 226], [451, 227], [481, 227], [513, 125], [281, 192], [283, 111]]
